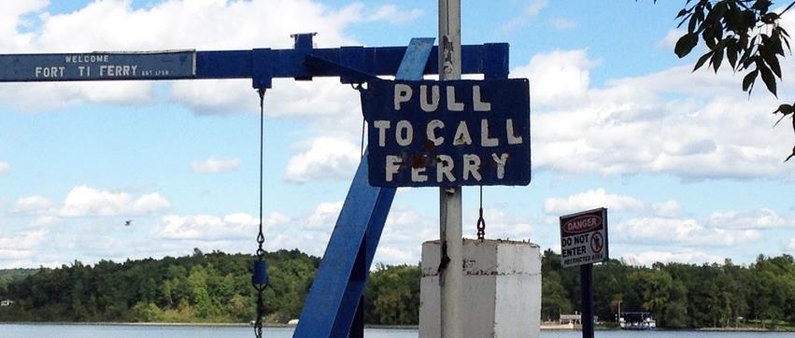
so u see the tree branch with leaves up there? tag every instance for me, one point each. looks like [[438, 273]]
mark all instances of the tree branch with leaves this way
[[746, 33]]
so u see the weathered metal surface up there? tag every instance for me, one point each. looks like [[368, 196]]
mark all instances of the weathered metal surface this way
[[98, 66], [261, 65], [448, 133], [333, 300]]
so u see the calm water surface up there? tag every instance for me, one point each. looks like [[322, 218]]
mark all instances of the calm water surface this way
[[156, 331]]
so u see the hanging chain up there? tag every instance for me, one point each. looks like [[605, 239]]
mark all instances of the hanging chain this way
[[260, 235], [481, 222], [260, 276]]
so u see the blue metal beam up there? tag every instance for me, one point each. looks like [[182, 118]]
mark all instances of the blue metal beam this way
[[260, 65], [334, 298]]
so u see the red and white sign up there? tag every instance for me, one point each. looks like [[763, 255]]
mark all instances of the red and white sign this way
[[583, 238]]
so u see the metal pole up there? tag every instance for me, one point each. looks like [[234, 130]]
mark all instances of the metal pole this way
[[450, 225], [586, 292]]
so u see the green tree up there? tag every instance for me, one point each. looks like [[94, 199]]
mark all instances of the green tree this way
[[554, 300], [745, 33], [392, 295]]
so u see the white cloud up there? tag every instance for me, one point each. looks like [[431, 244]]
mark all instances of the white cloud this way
[[210, 228], [668, 208], [24, 240], [592, 199], [404, 232], [46, 220], [164, 25], [214, 165], [387, 254], [682, 232], [324, 216], [83, 200], [499, 224], [693, 125], [325, 159], [217, 97], [754, 219], [33, 205], [647, 258], [395, 15], [148, 204], [531, 9], [4, 167], [534, 7], [557, 77], [20, 247], [86, 201], [12, 19], [669, 41], [318, 98]]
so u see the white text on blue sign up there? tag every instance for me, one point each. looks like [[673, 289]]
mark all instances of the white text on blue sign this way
[[429, 133]]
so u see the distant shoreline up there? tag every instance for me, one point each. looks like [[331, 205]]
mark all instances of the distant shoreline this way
[[571, 327], [386, 327]]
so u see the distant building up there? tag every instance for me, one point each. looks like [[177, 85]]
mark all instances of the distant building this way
[[570, 318], [575, 318]]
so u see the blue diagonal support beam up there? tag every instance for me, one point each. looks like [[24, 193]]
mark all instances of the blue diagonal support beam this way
[[333, 300]]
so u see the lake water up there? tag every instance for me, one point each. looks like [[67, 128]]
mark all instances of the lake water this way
[[159, 331]]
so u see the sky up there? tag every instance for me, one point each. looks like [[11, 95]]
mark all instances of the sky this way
[[689, 167]]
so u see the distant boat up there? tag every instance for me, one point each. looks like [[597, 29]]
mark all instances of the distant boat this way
[[637, 320]]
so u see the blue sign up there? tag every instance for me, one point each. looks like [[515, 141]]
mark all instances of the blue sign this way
[[448, 133], [98, 66]]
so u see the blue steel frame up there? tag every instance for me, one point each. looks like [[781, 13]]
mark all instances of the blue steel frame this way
[[340, 281], [333, 307]]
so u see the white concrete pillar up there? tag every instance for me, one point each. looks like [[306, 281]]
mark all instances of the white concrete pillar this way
[[501, 289]]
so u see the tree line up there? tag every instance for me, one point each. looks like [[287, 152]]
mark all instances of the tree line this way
[[679, 295], [216, 287], [212, 287], [202, 287]]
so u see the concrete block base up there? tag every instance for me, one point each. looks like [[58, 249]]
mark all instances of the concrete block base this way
[[501, 289]]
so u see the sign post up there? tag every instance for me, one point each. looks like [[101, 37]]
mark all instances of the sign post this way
[[451, 269], [583, 241]]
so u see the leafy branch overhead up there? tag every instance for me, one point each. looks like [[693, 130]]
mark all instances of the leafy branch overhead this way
[[746, 33]]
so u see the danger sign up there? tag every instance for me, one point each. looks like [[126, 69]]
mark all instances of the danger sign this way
[[583, 237]]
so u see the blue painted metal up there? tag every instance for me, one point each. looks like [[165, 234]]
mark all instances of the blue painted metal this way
[[260, 65], [260, 273], [475, 132], [289, 63], [415, 59], [327, 308], [334, 299], [97, 66]]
